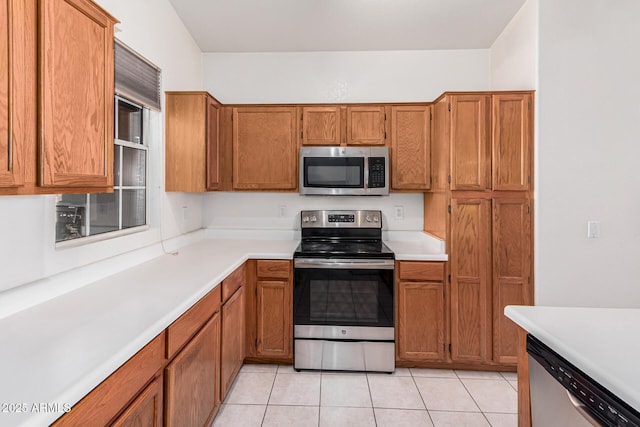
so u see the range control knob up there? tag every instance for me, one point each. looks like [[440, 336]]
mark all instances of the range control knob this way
[[368, 218], [376, 218], [305, 219], [313, 218]]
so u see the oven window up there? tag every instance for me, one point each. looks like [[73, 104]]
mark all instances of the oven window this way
[[343, 297], [332, 172]]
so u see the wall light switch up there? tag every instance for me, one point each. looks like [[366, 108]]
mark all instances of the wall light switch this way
[[398, 213], [593, 229], [282, 210]]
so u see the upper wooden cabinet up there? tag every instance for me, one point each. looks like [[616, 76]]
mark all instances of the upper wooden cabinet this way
[[366, 125], [410, 147], [195, 159], [511, 141], [321, 125], [265, 148], [57, 62], [470, 148]]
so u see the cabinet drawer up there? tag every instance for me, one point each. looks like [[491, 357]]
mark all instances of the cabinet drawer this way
[[186, 326], [233, 282], [421, 270], [110, 397], [276, 269]]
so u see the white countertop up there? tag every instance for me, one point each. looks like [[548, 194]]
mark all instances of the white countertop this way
[[602, 342], [59, 350]]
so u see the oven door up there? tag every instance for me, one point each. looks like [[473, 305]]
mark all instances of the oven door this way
[[334, 292]]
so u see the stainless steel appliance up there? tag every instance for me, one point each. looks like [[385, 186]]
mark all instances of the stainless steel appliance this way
[[563, 395], [343, 310], [341, 171]]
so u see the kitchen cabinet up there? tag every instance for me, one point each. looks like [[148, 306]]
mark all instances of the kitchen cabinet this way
[[57, 135], [265, 148], [321, 125], [127, 384], [270, 311], [366, 125], [410, 147], [482, 145], [195, 158], [192, 379], [420, 311], [233, 332], [146, 410]]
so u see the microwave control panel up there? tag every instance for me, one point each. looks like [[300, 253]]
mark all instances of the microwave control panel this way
[[376, 172]]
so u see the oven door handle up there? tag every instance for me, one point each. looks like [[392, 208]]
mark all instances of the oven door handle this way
[[365, 264]]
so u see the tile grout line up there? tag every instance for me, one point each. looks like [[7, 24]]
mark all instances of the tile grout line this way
[[421, 397], [373, 409], [472, 398], [266, 407]]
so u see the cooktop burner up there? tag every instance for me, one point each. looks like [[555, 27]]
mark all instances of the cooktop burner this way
[[342, 249]]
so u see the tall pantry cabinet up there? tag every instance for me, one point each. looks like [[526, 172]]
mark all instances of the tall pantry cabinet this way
[[481, 160]]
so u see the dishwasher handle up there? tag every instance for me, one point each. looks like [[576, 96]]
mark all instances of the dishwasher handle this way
[[582, 410]]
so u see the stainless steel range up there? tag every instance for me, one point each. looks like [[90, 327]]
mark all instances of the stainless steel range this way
[[343, 293]]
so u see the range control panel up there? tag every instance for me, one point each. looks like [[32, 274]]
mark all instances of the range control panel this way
[[340, 219]]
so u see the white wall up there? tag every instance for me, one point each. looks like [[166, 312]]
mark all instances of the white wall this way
[[331, 77], [27, 223], [589, 150]]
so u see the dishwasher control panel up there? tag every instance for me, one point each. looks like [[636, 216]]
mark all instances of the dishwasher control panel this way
[[599, 402]]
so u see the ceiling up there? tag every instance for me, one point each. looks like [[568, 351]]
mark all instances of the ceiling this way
[[344, 25]]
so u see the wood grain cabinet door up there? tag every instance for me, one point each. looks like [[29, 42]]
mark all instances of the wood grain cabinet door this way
[[233, 340], [146, 410], [321, 126], [214, 161], [265, 148], [511, 271], [470, 148], [10, 162], [512, 134], [366, 125], [410, 147], [76, 108], [274, 317], [192, 379], [470, 263]]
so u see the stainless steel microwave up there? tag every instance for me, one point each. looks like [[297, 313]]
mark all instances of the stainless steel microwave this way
[[344, 171]]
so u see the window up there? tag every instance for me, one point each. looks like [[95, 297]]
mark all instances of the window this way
[[83, 215]]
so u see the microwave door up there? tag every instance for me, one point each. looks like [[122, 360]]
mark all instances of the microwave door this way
[[331, 175]]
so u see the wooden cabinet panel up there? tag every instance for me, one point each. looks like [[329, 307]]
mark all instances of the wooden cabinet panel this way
[[146, 410], [76, 105], [232, 337], [179, 332], [470, 148], [191, 394], [233, 282], [113, 394], [410, 147], [274, 316], [366, 125], [511, 271], [470, 280], [193, 152], [321, 125], [421, 271], [265, 148], [274, 269], [511, 141], [420, 314]]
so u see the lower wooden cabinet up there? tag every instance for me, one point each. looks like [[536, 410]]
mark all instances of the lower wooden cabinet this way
[[274, 318], [420, 311], [191, 379], [232, 337], [146, 410]]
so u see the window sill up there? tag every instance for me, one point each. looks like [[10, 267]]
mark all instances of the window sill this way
[[99, 237]]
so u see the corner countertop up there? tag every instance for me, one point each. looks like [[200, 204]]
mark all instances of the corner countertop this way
[[602, 342], [57, 351]]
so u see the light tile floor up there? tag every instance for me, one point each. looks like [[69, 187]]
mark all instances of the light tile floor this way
[[271, 395]]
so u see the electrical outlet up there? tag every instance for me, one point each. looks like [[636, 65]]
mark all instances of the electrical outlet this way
[[398, 213], [185, 215], [282, 210], [593, 229]]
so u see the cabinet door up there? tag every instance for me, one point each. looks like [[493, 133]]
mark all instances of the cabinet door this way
[[511, 271], [146, 410], [511, 141], [366, 125], [275, 316], [214, 151], [470, 261], [232, 354], [321, 126], [76, 105], [10, 146], [265, 148], [410, 147], [192, 379], [470, 148], [420, 321]]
